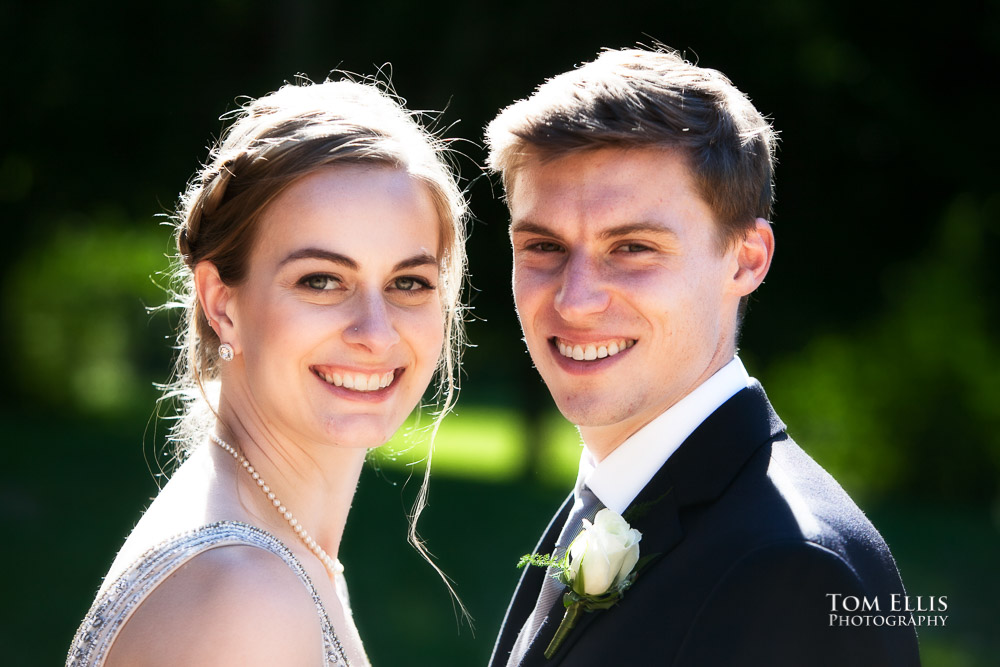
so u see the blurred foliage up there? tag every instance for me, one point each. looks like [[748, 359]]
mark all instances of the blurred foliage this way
[[77, 311], [908, 401], [487, 443]]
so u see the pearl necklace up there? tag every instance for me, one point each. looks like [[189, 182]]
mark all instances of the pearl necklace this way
[[331, 564]]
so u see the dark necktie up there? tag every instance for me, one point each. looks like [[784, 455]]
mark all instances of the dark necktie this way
[[587, 505]]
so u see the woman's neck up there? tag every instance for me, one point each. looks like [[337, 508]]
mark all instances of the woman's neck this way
[[314, 481]]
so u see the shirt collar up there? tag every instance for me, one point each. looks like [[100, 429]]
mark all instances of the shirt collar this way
[[623, 473]]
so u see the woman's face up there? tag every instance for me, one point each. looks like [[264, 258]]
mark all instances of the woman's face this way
[[339, 323]]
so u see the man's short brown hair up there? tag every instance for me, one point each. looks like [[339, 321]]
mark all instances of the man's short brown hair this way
[[638, 98]]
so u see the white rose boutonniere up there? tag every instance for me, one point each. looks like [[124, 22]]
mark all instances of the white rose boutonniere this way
[[603, 555], [598, 568]]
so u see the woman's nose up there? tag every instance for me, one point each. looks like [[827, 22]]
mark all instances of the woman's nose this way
[[372, 326]]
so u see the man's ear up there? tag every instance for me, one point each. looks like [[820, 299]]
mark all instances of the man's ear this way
[[753, 258], [216, 299]]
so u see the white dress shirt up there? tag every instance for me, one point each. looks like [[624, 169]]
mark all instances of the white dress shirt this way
[[623, 473]]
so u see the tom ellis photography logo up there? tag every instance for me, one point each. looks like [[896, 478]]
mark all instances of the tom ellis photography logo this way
[[896, 610]]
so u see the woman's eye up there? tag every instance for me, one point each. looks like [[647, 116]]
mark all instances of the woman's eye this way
[[321, 281], [410, 284]]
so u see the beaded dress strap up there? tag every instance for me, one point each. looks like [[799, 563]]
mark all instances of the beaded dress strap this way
[[111, 610]]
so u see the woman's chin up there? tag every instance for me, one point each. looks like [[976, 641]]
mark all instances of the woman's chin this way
[[361, 431]]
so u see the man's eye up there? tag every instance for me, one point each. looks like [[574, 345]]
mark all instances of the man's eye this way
[[545, 246], [320, 281], [633, 248]]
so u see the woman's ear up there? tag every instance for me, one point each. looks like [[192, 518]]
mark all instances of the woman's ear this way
[[753, 257], [216, 299]]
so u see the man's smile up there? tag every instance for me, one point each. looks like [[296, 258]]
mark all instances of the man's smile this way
[[589, 351]]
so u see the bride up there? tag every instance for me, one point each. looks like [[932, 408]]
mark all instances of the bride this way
[[321, 256]]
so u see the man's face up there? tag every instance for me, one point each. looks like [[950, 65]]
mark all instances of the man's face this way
[[626, 301]]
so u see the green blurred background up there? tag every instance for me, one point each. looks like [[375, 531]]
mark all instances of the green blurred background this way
[[874, 334]]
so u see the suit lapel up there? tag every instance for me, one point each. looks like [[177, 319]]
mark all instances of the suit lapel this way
[[708, 461], [528, 588], [700, 470]]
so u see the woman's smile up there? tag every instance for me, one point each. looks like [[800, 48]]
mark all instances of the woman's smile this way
[[359, 385]]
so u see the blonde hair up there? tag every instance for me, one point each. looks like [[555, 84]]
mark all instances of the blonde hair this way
[[272, 142]]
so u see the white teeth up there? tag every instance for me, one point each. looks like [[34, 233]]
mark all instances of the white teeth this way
[[592, 352], [359, 382]]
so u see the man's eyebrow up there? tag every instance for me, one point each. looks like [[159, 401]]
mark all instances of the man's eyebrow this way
[[636, 228], [420, 259], [529, 227]]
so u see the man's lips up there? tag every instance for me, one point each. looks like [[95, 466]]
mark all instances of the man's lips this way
[[592, 350]]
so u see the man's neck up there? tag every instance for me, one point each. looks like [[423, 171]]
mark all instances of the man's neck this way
[[600, 441], [622, 474]]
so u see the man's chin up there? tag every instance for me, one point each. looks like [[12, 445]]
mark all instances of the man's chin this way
[[594, 413]]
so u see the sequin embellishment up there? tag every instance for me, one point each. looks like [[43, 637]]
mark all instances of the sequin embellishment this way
[[110, 611]]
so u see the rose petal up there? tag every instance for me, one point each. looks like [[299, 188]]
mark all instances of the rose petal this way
[[603, 554], [597, 572], [631, 557]]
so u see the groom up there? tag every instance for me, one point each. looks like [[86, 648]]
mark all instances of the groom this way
[[639, 189]]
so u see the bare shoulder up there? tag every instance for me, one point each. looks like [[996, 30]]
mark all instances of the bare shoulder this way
[[232, 605]]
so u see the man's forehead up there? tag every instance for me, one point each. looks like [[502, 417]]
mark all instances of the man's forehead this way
[[608, 192], [590, 174], [541, 195], [604, 174]]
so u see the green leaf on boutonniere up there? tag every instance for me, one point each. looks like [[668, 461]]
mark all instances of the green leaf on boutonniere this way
[[541, 560]]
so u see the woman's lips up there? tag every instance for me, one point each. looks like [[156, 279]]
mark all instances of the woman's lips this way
[[358, 381]]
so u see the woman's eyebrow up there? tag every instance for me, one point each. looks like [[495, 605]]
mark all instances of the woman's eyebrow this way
[[420, 259], [319, 253]]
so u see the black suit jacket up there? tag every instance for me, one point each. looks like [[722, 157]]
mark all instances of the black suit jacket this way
[[750, 537]]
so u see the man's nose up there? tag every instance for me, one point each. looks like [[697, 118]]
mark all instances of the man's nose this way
[[583, 291], [372, 326]]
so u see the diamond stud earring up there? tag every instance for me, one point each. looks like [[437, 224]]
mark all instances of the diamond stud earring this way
[[226, 352]]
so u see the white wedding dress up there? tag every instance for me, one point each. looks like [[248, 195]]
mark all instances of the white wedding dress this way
[[115, 605]]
